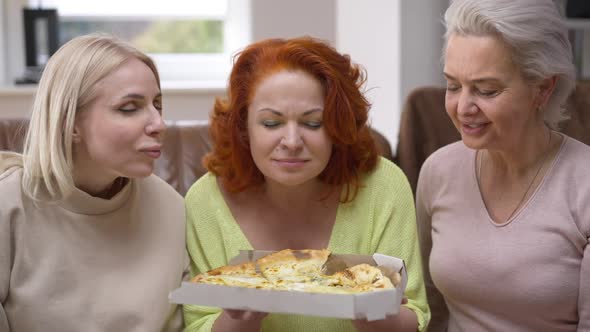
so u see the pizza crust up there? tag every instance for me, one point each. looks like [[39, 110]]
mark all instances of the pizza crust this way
[[242, 269]]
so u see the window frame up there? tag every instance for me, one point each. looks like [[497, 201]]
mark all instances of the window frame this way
[[209, 70], [185, 70]]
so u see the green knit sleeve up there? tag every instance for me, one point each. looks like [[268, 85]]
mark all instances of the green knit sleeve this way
[[395, 232], [200, 318]]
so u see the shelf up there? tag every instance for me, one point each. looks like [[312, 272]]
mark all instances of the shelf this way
[[168, 88], [578, 23], [18, 90]]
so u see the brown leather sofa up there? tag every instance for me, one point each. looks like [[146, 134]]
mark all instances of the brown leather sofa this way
[[185, 144], [425, 126]]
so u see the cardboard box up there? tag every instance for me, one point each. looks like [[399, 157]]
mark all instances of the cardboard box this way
[[371, 305]]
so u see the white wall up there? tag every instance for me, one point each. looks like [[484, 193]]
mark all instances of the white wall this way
[[2, 45], [368, 31], [289, 18], [421, 44], [399, 42], [14, 32]]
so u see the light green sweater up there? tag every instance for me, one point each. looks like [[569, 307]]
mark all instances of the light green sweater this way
[[380, 219]]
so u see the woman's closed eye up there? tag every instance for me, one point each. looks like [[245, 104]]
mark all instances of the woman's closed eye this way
[[158, 105], [128, 109], [452, 87], [134, 107], [488, 92], [131, 106], [270, 123], [313, 124]]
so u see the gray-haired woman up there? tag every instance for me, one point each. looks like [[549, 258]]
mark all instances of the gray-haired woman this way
[[504, 215]]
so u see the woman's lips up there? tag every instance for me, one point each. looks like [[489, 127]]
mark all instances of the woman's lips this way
[[473, 129], [155, 154], [290, 163]]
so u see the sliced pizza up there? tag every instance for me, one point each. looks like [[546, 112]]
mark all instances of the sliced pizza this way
[[300, 270]]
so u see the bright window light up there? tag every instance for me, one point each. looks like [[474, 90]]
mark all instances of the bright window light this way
[[112, 8], [190, 40]]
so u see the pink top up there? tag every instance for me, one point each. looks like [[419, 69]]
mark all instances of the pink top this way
[[529, 274]]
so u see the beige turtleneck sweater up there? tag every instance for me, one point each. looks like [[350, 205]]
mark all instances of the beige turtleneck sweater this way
[[90, 264]]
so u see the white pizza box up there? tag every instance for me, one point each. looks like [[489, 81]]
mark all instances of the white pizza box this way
[[371, 305]]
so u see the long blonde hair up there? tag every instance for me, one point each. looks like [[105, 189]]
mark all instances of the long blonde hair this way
[[67, 86]]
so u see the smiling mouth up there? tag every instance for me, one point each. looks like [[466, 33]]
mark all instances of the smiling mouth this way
[[474, 125], [473, 128]]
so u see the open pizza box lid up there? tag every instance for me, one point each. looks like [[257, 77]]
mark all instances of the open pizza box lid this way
[[370, 305]]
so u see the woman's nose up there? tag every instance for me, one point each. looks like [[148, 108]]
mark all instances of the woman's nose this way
[[292, 138], [466, 104], [156, 125]]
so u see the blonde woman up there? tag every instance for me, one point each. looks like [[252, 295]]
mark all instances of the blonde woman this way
[[90, 239]]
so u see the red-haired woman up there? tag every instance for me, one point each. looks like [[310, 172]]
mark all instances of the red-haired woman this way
[[294, 166]]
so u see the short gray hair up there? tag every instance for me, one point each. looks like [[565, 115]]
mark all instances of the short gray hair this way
[[67, 86], [536, 33]]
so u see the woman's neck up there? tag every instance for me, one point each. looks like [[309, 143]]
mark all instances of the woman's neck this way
[[296, 198], [527, 152], [102, 187]]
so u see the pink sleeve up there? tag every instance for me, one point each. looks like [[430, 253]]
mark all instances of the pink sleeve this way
[[582, 217], [438, 308], [584, 296]]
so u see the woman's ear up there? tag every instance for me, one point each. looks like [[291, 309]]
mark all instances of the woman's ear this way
[[76, 137], [77, 130], [546, 88]]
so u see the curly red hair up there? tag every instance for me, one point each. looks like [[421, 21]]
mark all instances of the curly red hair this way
[[345, 114]]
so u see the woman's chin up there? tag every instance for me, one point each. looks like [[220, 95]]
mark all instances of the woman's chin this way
[[475, 144], [139, 172]]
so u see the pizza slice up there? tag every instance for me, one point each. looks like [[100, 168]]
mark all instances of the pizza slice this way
[[242, 275], [293, 265], [364, 277]]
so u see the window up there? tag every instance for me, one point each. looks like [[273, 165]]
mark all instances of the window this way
[[190, 40]]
